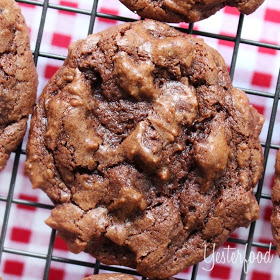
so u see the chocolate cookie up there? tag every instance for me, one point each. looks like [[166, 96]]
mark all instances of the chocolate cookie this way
[[18, 78], [114, 276], [275, 197], [186, 10], [111, 276], [146, 149]]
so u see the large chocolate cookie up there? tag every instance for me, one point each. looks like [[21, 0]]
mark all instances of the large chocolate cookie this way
[[111, 276], [186, 10], [275, 196], [146, 149], [114, 276], [18, 78]]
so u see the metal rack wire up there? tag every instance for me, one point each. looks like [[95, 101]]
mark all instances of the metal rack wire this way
[[93, 14]]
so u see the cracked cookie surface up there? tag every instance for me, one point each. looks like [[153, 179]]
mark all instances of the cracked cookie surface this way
[[115, 276], [110, 276], [148, 152], [18, 78], [275, 197], [187, 10]]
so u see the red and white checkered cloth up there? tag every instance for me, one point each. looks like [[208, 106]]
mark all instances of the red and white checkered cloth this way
[[257, 68]]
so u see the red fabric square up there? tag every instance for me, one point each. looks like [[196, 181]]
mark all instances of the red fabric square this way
[[225, 42], [257, 275], [50, 71], [60, 244], [26, 5], [267, 211], [272, 15], [265, 250], [13, 267], [68, 4], [268, 50], [57, 274], [187, 270], [261, 79], [61, 40], [30, 198], [220, 272], [109, 11], [233, 235], [231, 11], [184, 25], [20, 235], [260, 108], [229, 244], [265, 240]]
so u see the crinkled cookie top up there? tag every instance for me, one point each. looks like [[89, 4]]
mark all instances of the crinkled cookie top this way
[[187, 10], [18, 78], [275, 197], [146, 149], [110, 276]]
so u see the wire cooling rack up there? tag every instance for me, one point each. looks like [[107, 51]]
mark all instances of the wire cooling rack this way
[[263, 91]]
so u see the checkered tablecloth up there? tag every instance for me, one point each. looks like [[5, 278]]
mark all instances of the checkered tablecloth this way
[[256, 70]]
